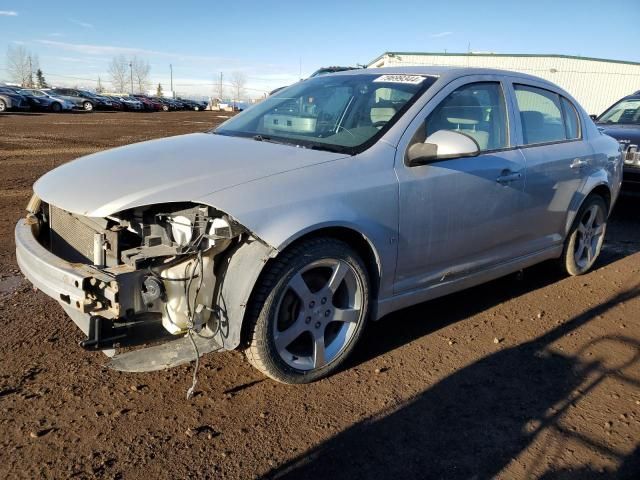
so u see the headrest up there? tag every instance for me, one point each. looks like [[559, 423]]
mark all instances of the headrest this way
[[463, 109], [532, 120]]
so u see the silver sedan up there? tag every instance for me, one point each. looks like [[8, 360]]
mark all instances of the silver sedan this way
[[335, 201]]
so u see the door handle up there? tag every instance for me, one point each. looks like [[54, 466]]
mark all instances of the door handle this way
[[579, 163], [508, 176]]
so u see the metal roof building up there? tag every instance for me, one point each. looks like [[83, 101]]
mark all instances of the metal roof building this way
[[595, 82]]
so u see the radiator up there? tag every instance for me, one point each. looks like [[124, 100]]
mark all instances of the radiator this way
[[70, 238]]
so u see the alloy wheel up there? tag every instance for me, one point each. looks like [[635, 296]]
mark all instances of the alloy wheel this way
[[318, 314], [590, 236]]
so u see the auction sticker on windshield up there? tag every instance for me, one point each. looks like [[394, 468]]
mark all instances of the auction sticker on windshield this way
[[412, 79]]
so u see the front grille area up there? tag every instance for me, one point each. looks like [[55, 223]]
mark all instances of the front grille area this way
[[70, 238], [630, 155]]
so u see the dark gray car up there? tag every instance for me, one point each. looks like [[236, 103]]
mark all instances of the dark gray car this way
[[79, 98], [11, 100]]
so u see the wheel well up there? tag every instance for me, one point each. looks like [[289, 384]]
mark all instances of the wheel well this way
[[604, 192], [359, 243]]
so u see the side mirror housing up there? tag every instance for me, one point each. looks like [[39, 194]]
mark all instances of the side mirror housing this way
[[442, 145], [593, 117]]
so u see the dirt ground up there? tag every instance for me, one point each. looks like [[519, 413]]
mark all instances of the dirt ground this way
[[530, 376]]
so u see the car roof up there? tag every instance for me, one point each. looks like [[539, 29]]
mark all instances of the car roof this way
[[441, 71]]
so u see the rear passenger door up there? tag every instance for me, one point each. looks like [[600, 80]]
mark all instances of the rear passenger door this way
[[557, 159]]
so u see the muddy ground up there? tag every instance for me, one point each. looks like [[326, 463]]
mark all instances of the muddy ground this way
[[531, 376]]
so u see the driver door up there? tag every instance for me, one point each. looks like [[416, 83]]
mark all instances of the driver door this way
[[461, 215]]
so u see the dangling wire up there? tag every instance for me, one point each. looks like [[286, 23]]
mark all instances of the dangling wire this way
[[191, 311]]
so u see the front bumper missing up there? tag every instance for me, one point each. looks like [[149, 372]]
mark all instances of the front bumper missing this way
[[87, 293], [75, 285]]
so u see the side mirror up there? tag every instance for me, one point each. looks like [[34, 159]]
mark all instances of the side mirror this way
[[593, 117], [442, 145]]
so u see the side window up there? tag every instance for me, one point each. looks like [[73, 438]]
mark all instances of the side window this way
[[572, 125], [540, 115], [477, 110]]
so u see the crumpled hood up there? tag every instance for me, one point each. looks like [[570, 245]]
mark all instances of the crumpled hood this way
[[174, 169]]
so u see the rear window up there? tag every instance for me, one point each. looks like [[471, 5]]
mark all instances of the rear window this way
[[572, 126], [546, 116]]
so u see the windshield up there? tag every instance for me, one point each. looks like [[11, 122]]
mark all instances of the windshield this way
[[343, 113], [625, 111]]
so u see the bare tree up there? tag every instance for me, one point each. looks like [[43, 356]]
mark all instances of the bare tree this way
[[99, 87], [141, 71], [118, 73], [20, 65], [238, 82]]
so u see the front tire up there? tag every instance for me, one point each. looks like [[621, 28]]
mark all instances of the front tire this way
[[3, 106], [308, 310], [585, 239], [88, 106], [56, 107]]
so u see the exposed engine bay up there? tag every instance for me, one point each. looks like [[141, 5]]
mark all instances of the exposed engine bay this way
[[151, 266]]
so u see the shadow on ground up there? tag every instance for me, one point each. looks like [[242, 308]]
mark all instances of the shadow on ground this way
[[474, 422], [407, 325]]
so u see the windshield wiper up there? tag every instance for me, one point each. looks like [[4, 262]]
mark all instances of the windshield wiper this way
[[264, 138], [329, 148]]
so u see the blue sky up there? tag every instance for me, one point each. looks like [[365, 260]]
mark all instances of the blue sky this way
[[272, 41]]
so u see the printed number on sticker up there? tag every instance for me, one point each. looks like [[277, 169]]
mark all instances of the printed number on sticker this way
[[413, 79]]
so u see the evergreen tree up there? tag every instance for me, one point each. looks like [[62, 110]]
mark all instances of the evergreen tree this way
[[40, 80]]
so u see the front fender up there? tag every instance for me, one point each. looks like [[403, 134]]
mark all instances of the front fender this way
[[239, 274], [357, 193]]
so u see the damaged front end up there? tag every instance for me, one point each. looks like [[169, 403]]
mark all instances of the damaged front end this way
[[144, 276]]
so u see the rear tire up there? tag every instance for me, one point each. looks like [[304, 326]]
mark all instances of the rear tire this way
[[56, 107], [87, 106], [586, 236], [3, 106], [308, 311]]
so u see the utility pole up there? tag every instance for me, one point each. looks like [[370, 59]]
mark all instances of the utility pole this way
[[171, 70], [220, 91], [131, 71], [30, 73]]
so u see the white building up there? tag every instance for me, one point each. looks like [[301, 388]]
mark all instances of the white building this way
[[596, 83]]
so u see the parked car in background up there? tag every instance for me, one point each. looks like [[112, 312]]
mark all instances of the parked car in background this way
[[129, 103], [169, 103], [117, 104], [335, 69], [11, 100], [79, 99], [149, 103], [41, 100], [321, 71], [165, 105], [99, 101], [346, 196], [622, 122], [189, 104]]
